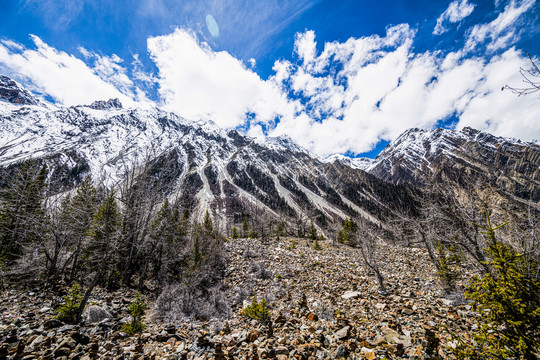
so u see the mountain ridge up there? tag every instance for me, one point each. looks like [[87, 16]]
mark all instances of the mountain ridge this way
[[231, 175]]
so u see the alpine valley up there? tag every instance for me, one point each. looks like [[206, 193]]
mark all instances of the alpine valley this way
[[231, 175], [247, 248]]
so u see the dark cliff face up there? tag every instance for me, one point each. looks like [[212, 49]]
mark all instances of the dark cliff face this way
[[12, 92], [464, 158]]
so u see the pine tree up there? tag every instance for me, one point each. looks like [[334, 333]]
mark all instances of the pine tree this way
[[508, 301], [447, 260], [197, 256], [207, 223], [312, 231], [81, 210], [234, 234], [104, 233], [22, 214], [347, 233]]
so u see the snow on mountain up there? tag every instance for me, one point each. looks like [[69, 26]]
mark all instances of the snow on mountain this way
[[356, 163], [420, 156], [204, 167], [13, 92], [199, 164]]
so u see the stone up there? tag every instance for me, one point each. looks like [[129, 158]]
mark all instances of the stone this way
[[343, 333], [52, 324], [351, 295], [63, 351], [68, 342], [342, 352], [252, 335], [282, 350], [170, 329], [312, 317], [36, 343], [368, 354], [96, 314]]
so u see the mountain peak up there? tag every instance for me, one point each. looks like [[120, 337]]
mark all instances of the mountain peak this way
[[11, 91], [106, 105]]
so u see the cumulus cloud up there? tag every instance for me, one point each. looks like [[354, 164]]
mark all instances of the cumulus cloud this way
[[369, 89], [62, 76], [199, 83], [455, 12], [502, 31], [338, 97]]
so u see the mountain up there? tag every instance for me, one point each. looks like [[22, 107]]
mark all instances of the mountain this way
[[13, 92], [236, 177], [462, 158], [197, 163]]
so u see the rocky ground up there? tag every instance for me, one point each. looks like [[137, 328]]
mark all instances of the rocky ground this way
[[323, 305]]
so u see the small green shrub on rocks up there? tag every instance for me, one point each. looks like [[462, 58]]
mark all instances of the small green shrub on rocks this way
[[67, 312], [136, 310], [258, 310]]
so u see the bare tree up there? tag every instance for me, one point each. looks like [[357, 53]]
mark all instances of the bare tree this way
[[531, 78], [366, 241]]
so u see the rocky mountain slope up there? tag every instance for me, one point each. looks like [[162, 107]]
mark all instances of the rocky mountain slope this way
[[313, 317], [203, 166], [462, 158]]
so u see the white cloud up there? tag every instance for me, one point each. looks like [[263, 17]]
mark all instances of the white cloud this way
[[502, 30], [305, 46], [500, 112], [455, 12], [345, 98], [199, 83], [62, 76], [383, 88]]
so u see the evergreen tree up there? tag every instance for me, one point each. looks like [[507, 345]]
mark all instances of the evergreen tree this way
[[22, 214], [104, 234], [234, 234], [448, 261], [312, 231], [508, 301], [207, 223], [347, 233], [80, 212], [197, 255]]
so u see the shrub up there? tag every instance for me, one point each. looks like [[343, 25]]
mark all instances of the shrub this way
[[447, 264], [136, 310], [258, 310], [317, 246], [67, 312]]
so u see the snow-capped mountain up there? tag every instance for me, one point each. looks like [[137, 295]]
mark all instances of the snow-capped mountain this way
[[231, 175], [204, 166], [464, 157]]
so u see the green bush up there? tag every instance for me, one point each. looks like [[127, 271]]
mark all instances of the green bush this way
[[258, 310], [136, 309], [67, 312], [317, 246], [448, 260], [508, 302]]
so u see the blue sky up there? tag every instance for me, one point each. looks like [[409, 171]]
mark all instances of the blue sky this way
[[337, 77]]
